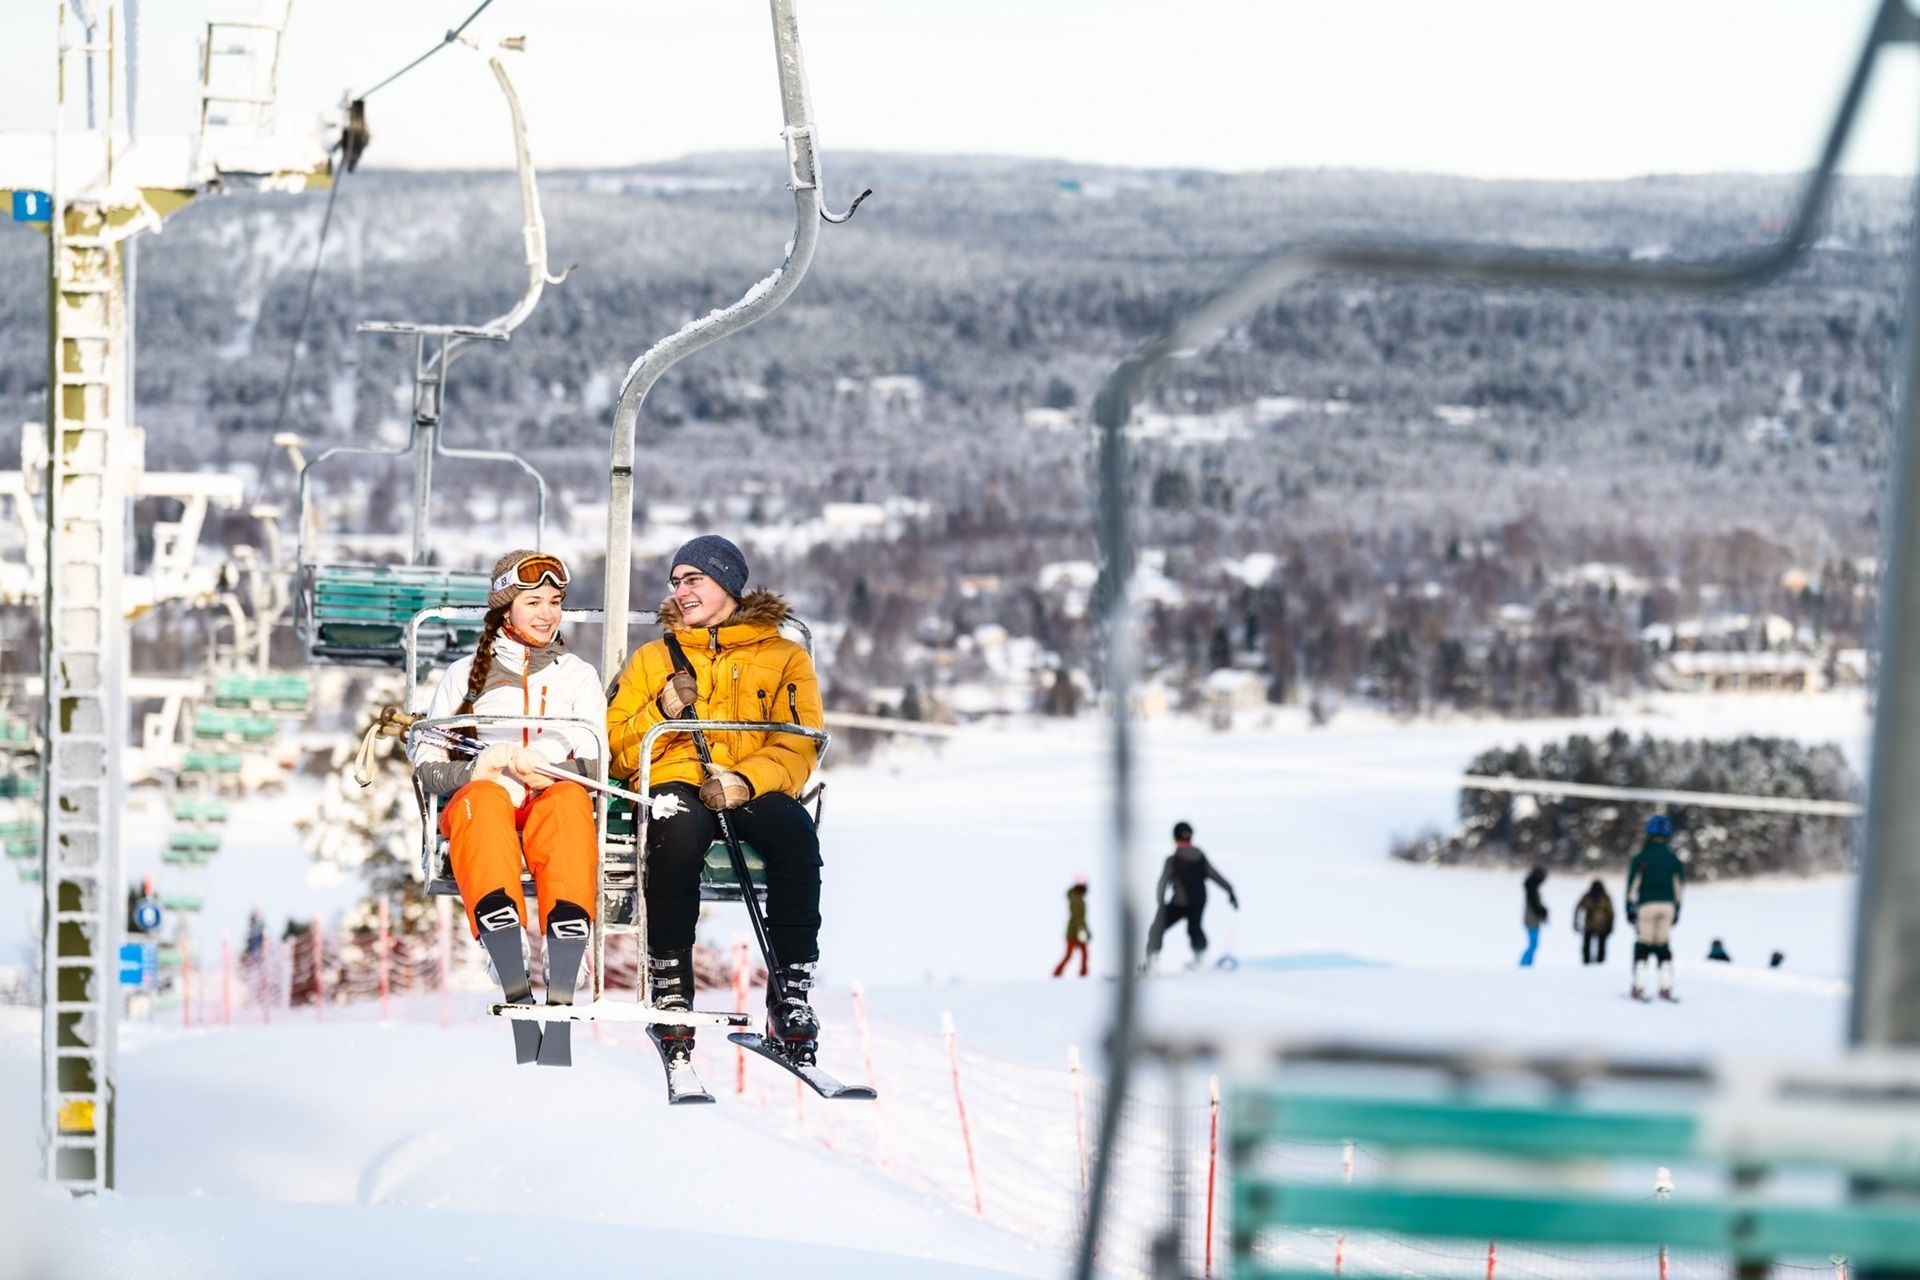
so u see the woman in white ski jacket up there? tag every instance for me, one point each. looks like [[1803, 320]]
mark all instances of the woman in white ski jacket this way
[[501, 810]]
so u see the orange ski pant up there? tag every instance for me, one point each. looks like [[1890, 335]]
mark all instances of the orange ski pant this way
[[552, 832]]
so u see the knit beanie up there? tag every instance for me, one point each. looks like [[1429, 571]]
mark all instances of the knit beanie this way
[[719, 559]]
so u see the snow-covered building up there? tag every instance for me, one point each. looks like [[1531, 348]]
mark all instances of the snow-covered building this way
[[1230, 689], [1708, 672]]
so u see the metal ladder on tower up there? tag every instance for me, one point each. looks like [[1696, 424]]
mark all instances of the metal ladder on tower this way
[[80, 816]]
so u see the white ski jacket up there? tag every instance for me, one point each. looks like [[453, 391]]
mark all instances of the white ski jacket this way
[[546, 683]]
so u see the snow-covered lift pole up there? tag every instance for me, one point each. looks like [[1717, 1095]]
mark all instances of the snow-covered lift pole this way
[[809, 210], [1889, 921]]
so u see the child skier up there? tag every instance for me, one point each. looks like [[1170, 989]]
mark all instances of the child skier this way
[[722, 657], [1182, 895], [1655, 883], [501, 810], [1593, 921], [1078, 935]]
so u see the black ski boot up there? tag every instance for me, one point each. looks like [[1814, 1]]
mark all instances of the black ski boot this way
[[499, 923], [569, 930], [672, 975], [791, 1023]]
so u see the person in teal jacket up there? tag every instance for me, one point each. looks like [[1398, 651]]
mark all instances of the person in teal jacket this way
[[1656, 881]]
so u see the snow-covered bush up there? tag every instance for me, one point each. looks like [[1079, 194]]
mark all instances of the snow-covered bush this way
[[1499, 828]]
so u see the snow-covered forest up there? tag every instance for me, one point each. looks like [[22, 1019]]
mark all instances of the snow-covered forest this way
[[1420, 496]]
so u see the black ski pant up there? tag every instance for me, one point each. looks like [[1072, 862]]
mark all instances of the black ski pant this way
[[1171, 914], [776, 825], [1593, 948]]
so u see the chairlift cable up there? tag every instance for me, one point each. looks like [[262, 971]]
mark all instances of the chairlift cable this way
[[320, 249], [445, 40], [300, 328]]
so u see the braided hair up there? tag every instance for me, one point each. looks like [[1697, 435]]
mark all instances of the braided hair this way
[[482, 665]]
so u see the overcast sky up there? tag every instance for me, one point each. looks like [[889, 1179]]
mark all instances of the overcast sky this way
[[1495, 88]]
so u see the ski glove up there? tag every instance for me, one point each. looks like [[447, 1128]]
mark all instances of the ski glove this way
[[1233, 900], [1633, 915], [677, 694], [491, 766], [724, 789], [526, 766], [490, 762]]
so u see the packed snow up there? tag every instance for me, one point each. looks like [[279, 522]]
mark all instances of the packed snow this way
[[343, 1144]]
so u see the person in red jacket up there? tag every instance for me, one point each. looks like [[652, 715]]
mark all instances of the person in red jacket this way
[[1078, 935]]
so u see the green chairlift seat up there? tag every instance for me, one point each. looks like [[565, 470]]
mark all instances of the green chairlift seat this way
[[199, 809], [193, 840], [19, 786], [272, 690], [29, 871], [183, 857], [210, 762], [718, 883], [181, 901], [23, 848], [358, 614], [227, 726], [1474, 1151]]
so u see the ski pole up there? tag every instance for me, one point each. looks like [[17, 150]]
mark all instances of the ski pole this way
[[776, 985], [393, 722]]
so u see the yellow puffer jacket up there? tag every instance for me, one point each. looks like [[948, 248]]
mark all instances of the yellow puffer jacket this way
[[745, 670]]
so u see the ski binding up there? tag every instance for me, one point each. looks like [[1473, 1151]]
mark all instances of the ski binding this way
[[683, 1083]]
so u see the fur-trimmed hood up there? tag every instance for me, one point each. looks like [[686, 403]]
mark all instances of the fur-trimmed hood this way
[[758, 608], [744, 671]]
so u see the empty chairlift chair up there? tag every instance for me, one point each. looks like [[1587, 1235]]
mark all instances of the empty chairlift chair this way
[[359, 613]]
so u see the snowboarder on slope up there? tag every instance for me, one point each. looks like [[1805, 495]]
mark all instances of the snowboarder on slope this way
[[741, 668], [1533, 915], [1078, 935], [1718, 951], [1593, 921], [1656, 881], [499, 811], [1182, 895]]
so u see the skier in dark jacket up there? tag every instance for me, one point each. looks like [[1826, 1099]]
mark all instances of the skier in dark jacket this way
[[1656, 881], [1078, 935], [1593, 921], [1182, 894], [1533, 915]]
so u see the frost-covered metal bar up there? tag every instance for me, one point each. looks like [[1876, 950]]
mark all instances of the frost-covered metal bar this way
[[1897, 741], [803, 179], [452, 341]]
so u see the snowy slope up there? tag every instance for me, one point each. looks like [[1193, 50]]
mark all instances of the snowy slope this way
[[418, 1148]]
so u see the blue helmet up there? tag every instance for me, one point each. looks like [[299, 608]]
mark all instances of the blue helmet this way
[[1658, 826]]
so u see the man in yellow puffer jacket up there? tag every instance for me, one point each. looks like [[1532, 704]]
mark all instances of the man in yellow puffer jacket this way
[[742, 669]]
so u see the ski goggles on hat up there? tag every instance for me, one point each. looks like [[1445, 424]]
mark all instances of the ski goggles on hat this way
[[531, 571]]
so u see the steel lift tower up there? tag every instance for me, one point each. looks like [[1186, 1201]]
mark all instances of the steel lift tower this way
[[96, 186]]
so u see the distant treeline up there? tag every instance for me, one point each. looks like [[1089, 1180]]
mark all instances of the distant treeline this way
[[1499, 828]]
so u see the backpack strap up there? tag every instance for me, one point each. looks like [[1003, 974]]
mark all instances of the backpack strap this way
[[678, 654]]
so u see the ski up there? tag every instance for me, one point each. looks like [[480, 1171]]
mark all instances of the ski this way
[[683, 1083], [566, 948], [502, 943], [813, 1077]]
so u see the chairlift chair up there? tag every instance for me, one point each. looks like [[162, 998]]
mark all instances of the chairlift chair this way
[[358, 613], [619, 824]]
